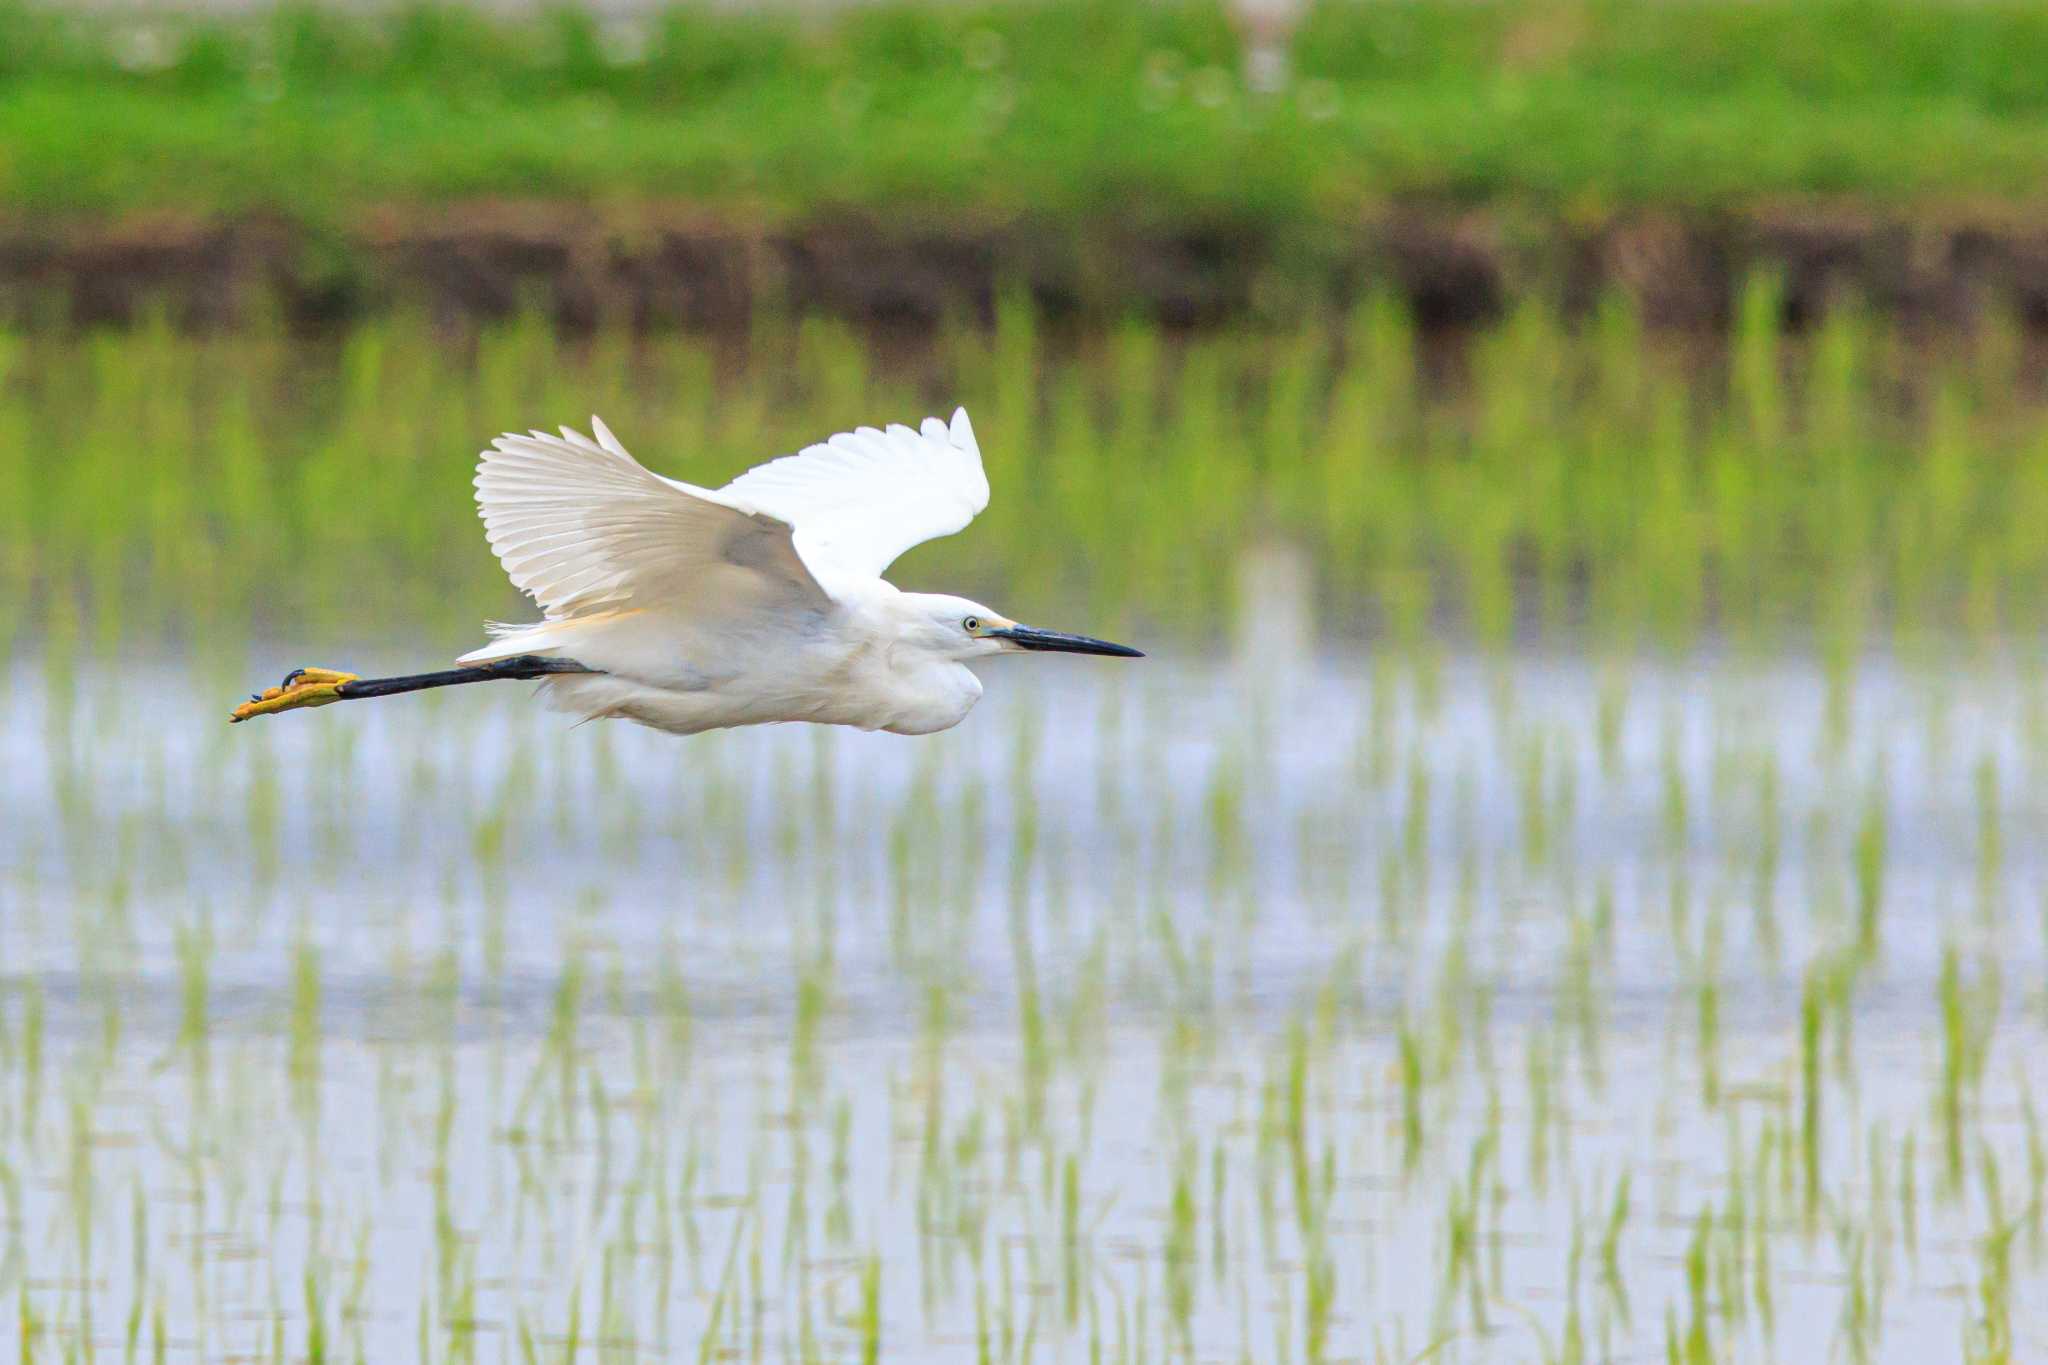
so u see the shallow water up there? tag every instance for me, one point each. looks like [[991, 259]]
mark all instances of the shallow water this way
[[1174, 1009]]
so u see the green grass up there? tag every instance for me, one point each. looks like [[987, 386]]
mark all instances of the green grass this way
[[1055, 113]]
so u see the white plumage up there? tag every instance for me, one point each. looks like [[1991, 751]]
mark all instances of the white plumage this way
[[696, 608], [862, 498]]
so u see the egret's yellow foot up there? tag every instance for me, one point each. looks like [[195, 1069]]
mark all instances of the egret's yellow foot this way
[[301, 687]]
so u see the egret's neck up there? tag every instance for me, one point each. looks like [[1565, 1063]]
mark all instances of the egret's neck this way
[[927, 686], [930, 693]]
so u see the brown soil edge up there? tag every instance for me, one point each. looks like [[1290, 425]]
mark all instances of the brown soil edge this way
[[671, 266]]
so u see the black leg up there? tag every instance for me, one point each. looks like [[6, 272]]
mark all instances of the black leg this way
[[520, 666], [325, 686]]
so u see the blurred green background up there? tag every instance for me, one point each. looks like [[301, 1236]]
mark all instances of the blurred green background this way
[[1594, 486]]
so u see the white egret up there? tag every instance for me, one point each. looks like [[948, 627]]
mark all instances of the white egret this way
[[691, 609]]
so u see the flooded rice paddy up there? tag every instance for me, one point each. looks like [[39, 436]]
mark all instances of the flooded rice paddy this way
[[1566, 887], [1463, 1007]]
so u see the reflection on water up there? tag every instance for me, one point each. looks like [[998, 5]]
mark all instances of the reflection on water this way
[[1535, 1007]]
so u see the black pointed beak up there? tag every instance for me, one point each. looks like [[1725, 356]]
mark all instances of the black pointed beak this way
[[1058, 641]]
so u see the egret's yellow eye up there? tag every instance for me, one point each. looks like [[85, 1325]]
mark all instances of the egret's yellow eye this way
[[971, 624]]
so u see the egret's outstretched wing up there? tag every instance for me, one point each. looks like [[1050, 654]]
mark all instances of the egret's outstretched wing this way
[[583, 528], [862, 498]]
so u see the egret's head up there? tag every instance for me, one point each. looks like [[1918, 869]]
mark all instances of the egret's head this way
[[962, 629]]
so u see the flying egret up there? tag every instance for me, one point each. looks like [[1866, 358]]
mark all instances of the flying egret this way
[[691, 609]]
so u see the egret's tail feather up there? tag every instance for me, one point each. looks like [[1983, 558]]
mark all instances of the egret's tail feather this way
[[510, 639]]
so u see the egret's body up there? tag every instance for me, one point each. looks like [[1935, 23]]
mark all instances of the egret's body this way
[[838, 664], [691, 609]]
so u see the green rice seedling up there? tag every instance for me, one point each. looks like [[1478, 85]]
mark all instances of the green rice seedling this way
[[31, 1060], [871, 1310], [304, 1062], [1989, 1336], [1610, 1245], [1708, 997], [1869, 855], [1411, 1080], [1968, 1014], [195, 956], [1181, 1260]]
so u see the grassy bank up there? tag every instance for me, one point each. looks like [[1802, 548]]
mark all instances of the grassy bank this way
[[1063, 111], [1571, 484]]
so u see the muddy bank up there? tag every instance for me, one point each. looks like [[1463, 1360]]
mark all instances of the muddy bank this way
[[667, 266]]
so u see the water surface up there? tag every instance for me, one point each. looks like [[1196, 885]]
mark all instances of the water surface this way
[[1519, 1006]]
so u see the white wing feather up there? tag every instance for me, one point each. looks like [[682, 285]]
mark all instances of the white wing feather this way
[[583, 528], [586, 531], [863, 497]]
